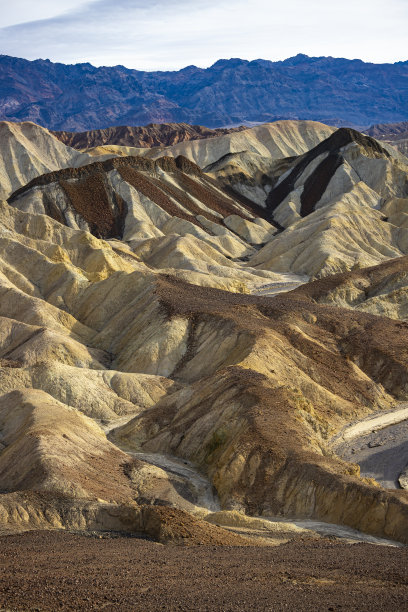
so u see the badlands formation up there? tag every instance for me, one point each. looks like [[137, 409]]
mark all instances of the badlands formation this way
[[395, 134], [152, 135], [188, 332]]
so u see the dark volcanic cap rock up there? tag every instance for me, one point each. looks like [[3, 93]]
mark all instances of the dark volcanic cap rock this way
[[168, 164]]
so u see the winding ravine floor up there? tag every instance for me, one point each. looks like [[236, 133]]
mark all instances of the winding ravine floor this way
[[379, 445], [201, 490]]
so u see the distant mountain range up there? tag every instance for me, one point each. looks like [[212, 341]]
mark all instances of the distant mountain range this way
[[82, 97]]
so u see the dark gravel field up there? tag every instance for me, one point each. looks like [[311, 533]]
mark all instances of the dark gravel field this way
[[47, 570]]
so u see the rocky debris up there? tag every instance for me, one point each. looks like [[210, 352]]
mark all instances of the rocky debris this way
[[168, 525], [55, 570]]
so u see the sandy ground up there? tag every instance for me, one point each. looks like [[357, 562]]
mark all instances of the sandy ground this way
[[61, 571]]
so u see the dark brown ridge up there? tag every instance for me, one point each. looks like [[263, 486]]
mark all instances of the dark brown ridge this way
[[130, 169], [366, 338], [375, 275], [210, 197], [158, 191], [331, 145], [328, 347], [148, 136], [181, 166], [316, 184], [89, 197], [185, 200], [154, 191], [168, 164]]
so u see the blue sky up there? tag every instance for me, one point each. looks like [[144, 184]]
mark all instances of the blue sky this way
[[170, 34]]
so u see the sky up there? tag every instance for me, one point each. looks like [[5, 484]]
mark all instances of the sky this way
[[171, 34]]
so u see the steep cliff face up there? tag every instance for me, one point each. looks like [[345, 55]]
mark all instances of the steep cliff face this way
[[82, 97]]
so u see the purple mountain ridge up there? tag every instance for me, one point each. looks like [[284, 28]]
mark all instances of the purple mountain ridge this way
[[230, 92]]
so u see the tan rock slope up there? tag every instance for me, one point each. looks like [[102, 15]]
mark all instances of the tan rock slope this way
[[28, 150], [276, 140], [271, 140], [137, 370]]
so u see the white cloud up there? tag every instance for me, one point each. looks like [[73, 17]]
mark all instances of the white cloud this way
[[23, 11], [170, 34]]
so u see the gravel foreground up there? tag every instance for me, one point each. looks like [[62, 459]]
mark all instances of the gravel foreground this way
[[46, 570]]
